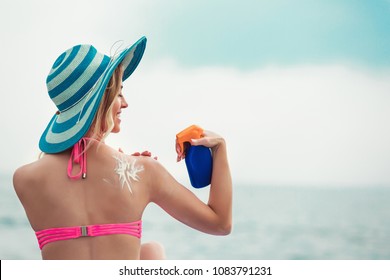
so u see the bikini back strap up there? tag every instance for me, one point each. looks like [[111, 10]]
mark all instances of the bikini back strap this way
[[57, 234]]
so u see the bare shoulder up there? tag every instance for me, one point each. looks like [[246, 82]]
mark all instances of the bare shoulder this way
[[147, 165], [160, 181], [152, 170], [152, 167], [30, 176], [24, 177]]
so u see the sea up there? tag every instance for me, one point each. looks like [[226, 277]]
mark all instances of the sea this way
[[269, 223]]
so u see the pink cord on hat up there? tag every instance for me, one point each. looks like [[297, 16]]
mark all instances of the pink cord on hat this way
[[78, 156]]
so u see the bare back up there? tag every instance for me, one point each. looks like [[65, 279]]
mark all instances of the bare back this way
[[115, 191]]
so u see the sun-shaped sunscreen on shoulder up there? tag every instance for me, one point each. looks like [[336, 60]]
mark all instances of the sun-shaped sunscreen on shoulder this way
[[127, 170]]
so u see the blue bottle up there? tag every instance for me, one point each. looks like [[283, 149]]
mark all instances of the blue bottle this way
[[199, 164], [198, 159]]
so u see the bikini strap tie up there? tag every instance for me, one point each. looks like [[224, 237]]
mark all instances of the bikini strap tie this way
[[78, 157]]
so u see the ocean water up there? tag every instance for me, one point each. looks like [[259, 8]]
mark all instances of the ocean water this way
[[272, 223]]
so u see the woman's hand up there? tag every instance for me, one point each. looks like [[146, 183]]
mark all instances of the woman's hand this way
[[209, 139], [143, 154]]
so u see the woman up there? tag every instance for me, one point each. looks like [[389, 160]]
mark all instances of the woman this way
[[85, 200]]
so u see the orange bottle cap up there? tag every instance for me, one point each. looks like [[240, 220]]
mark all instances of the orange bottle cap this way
[[191, 132]]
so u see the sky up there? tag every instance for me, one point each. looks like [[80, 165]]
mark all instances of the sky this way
[[299, 89]]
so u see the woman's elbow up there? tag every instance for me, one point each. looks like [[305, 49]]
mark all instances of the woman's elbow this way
[[225, 229]]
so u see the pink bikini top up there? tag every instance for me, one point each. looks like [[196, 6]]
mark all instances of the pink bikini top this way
[[57, 234], [79, 156]]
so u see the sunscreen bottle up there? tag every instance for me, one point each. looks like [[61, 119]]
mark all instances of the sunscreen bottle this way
[[198, 159]]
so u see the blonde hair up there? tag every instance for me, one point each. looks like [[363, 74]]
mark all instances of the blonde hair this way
[[103, 122]]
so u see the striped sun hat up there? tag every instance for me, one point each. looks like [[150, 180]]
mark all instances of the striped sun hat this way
[[76, 84]]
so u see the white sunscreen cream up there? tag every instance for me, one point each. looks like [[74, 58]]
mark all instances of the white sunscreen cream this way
[[127, 170]]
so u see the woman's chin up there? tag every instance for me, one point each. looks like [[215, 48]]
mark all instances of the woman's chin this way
[[116, 129]]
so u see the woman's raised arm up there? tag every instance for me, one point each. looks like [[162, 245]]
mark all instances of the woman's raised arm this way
[[215, 217]]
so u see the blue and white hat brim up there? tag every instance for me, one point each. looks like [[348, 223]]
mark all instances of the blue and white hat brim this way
[[68, 127]]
